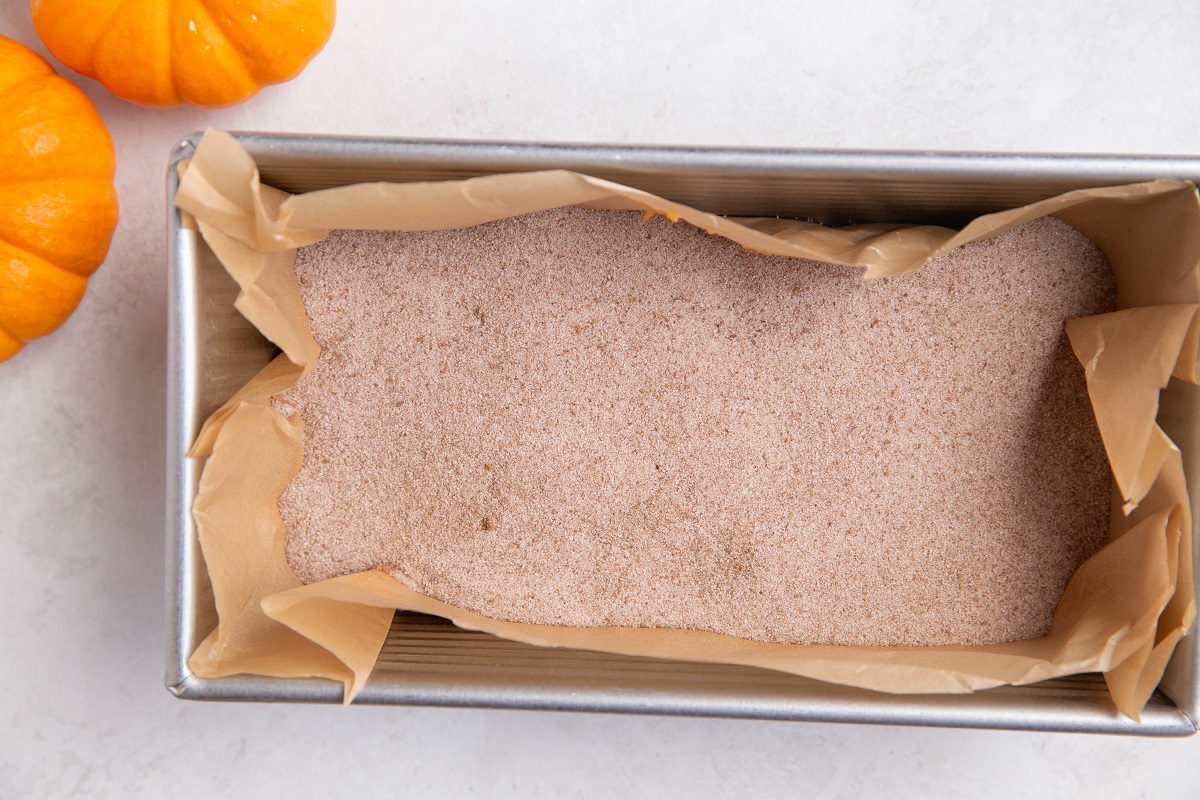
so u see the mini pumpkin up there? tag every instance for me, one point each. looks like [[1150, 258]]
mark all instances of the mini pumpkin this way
[[58, 207], [167, 52]]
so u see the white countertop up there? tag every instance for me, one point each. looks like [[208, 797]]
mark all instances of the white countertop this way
[[83, 712]]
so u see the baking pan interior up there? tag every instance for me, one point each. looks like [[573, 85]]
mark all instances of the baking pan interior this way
[[427, 661]]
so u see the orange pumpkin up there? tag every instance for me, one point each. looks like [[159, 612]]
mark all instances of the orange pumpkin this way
[[167, 52], [58, 207]]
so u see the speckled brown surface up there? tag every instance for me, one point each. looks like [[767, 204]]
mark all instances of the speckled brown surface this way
[[583, 418]]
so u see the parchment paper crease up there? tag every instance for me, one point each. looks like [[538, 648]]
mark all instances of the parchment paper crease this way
[[1122, 613]]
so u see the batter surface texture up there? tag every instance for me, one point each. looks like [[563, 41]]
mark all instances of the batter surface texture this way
[[583, 418]]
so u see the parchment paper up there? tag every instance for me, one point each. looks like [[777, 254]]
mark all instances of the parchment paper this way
[[1122, 613]]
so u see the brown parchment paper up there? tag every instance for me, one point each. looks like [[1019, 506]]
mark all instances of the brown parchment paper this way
[[1122, 613]]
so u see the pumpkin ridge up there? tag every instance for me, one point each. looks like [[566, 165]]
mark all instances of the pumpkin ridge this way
[[170, 5], [38, 297], [247, 59], [5, 240], [21, 251], [244, 57], [105, 32], [44, 69], [102, 180], [83, 262], [74, 169], [10, 334]]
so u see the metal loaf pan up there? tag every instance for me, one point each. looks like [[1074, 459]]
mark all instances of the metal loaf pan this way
[[427, 661]]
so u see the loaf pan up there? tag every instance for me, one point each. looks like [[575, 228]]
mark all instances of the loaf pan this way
[[213, 351]]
